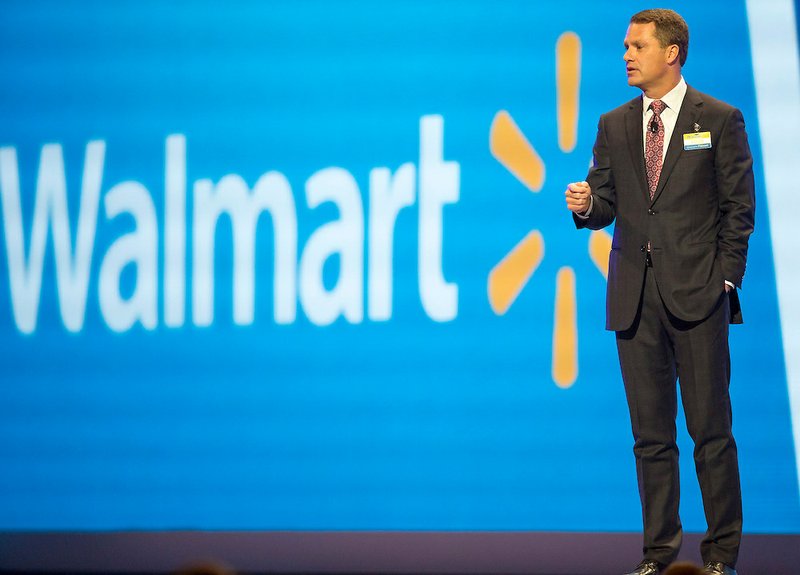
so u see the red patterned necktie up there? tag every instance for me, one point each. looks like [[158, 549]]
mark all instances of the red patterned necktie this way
[[654, 146]]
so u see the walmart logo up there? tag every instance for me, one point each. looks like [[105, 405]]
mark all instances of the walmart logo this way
[[508, 278], [172, 255]]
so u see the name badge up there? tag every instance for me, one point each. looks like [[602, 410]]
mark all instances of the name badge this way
[[697, 141]]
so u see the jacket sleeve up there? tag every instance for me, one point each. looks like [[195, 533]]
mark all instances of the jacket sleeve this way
[[601, 181], [736, 191]]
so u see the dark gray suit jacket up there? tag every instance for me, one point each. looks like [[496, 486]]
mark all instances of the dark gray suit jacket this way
[[699, 221]]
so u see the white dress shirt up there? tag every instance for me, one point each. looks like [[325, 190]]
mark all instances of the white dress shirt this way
[[673, 100]]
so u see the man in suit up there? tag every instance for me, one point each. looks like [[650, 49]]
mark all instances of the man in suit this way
[[673, 168]]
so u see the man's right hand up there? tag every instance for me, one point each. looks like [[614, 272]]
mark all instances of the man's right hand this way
[[578, 197]]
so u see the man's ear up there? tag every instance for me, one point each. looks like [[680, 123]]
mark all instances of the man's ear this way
[[673, 51]]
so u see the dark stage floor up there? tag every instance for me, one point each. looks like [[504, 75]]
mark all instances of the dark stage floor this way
[[365, 553]]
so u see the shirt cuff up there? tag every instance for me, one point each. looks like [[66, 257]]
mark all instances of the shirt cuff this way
[[730, 284], [585, 215]]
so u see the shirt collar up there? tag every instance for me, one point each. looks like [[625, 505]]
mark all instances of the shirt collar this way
[[673, 99]]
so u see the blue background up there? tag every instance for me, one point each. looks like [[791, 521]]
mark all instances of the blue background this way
[[405, 424]]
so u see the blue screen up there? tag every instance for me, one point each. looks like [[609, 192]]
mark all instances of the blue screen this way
[[306, 265]]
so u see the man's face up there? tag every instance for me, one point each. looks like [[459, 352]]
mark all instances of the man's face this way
[[645, 59]]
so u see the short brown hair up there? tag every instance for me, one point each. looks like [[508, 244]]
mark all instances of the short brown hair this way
[[670, 28]]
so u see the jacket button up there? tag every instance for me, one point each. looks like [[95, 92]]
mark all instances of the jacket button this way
[[651, 212]]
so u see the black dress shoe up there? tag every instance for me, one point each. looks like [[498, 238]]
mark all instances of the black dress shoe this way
[[717, 568], [647, 567]]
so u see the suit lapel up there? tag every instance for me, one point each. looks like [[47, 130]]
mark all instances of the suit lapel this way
[[689, 115], [633, 127]]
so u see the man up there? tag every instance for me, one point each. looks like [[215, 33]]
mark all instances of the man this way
[[673, 167]]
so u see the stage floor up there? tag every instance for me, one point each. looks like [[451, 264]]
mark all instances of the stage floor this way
[[364, 553]]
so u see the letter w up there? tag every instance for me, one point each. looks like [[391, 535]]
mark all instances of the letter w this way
[[50, 210]]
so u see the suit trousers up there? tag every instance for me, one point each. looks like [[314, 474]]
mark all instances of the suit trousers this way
[[656, 352]]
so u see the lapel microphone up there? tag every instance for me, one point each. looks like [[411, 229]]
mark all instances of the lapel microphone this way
[[653, 125]]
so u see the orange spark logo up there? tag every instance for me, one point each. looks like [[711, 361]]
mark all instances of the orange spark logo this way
[[508, 278]]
